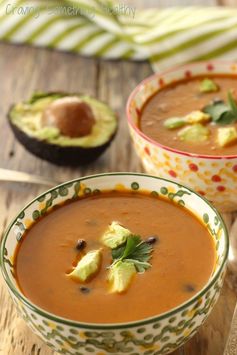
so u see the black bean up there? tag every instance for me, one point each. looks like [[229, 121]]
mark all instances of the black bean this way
[[152, 239], [85, 289], [189, 288], [81, 244]]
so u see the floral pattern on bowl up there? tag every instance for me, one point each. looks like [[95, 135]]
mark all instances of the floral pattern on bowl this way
[[152, 336], [214, 177]]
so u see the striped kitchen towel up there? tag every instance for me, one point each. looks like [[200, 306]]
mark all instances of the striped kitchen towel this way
[[113, 30]]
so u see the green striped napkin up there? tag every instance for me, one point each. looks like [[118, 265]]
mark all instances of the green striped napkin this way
[[107, 29]]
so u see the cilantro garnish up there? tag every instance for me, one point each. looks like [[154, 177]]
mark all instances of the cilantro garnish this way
[[232, 104], [221, 112], [136, 251]]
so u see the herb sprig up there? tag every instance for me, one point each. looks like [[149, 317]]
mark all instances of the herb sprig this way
[[221, 112], [136, 251]]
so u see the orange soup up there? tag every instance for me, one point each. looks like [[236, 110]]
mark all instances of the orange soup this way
[[197, 115], [175, 260]]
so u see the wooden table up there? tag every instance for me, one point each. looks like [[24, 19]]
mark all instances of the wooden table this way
[[23, 70]]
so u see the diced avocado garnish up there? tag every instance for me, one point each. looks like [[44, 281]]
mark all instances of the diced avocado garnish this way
[[208, 85], [223, 113], [120, 276], [115, 235], [174, 122], [194, 133], [197, 117], [226, 136], [87, 266], [192, 118]]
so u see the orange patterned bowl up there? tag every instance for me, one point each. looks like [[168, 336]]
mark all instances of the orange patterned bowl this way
[[214, 177]]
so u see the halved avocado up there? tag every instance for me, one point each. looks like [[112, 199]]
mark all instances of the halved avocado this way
[[65, 129]]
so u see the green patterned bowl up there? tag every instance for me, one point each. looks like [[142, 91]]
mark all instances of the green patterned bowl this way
[[157, 335]]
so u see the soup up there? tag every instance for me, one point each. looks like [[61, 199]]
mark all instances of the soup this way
[[180, 262], [204, 114]]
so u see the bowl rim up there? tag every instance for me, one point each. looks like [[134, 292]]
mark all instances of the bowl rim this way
[[106, 326], [162, 74]]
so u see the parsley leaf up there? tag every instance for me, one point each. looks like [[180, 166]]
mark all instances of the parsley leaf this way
[[232, 103], [227, 118], [139, 265], [142, 252], [216, 110], [132, 242], [116, 253], [135, 251], [222, 113]]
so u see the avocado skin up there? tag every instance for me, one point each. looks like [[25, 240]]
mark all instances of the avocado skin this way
[[64, 156]]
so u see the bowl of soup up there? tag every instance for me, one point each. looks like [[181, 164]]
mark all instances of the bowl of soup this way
[[183, 123], [107, 264]]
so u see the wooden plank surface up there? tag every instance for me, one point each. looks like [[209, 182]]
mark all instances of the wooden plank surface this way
[[23, 70]]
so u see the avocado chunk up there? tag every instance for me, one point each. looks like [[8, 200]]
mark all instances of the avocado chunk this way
[[174, 122], [208, 85], [65, 129], [197, 117], [121, 275], [194, 133], [87, 266], [226, 136], [115, 235]]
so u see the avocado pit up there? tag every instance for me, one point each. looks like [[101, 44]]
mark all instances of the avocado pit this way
[[70, 115]]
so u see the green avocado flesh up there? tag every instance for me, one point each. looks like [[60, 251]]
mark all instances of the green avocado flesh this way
[[27, 116]]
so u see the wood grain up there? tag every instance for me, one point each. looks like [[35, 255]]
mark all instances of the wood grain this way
[[232, 339], [25, 69]]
